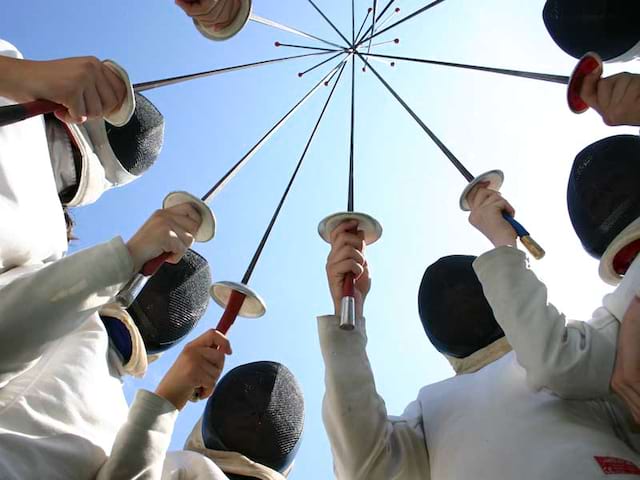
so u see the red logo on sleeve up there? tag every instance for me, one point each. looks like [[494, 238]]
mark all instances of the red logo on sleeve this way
[[617, 466]]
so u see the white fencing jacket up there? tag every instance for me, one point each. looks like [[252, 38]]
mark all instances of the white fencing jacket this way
[[63, 414], [501, 422], [574, 359], [29, 204]]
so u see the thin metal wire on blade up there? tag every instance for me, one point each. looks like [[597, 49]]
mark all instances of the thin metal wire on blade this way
[[382, 23], [408, 17], [329, 22], [379, 60], [142, 87], [373, 23], [285, 28], [320, 64], [452, 158], [366, 17], [353, 22], [395, 40], [350, 203], [267, 233], [514, 73], [368, 31], [217, 188], [292, 45], [334, 74]]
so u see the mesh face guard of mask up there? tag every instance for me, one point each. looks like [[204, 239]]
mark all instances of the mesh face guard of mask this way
[[172, 302], [138, 144], [256, 410]]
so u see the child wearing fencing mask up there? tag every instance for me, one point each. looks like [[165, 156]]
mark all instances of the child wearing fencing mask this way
[[62, 410], [485, 422], [251, 428], [574, 359]]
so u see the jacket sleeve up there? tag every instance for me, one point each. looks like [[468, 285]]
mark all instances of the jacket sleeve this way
[[39, 308], [366, 444], [141, 444], [575, 359]]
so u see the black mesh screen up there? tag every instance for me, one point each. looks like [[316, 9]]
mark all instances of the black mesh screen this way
[[608, 27], [454, 311], [603, 195], [138, 143], [256, 410], [172, 302]]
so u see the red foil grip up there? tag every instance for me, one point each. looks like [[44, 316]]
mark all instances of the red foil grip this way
[[349, 286], [152, 266], [228, 318], [231, 312]]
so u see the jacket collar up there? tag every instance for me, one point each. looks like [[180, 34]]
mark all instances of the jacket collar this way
[[481, 358], [231, 462]]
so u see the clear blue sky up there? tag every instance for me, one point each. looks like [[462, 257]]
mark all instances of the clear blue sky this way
[[520, 126]]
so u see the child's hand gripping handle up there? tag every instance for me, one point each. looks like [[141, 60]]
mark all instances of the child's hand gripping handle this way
[[228, 318]]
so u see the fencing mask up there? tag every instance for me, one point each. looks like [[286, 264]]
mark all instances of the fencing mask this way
[[172, 302], [94, 157], [453, 309], [603, 197], [256, 410], [607, 27]]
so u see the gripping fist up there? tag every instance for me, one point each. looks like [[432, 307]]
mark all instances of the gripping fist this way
[[198, 367], [85, 86], [347, 256], [487, 207], [167, 231], [616, 98], [212, 15]]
